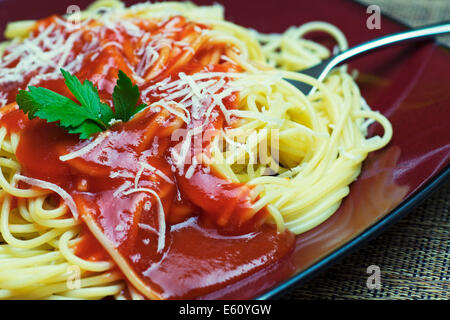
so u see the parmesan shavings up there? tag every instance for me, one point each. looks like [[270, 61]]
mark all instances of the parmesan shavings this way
[[125, 189], [147, 227], [161, 216], [42, 55], [53, 187], [86, 148], [3, 99], [154, 170], [122, 188], [196, 99]]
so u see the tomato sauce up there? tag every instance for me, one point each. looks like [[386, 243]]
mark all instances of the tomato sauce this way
[[212, 237]]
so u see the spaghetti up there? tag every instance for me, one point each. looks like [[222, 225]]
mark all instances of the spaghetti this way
[[227, 152]]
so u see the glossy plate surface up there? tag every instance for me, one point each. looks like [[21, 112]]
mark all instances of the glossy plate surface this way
[[407, 83]]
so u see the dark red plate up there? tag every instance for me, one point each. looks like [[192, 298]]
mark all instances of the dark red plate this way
[[407, 83]]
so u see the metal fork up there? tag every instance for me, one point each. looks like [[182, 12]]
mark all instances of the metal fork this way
[[321, 70]]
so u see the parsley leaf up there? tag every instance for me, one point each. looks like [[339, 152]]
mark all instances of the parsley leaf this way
[[46, 104], [87, 95], [88, 117], [86, 129], [125, 98]]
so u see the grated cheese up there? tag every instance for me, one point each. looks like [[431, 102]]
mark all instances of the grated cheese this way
[[53, 187], [78, 153], [161, 216], [156, 171], [147, 227], [3, 99], [122, 188], [121, 174]]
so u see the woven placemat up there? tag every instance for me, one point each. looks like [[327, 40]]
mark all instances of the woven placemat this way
[[414, 254], [413, 257]]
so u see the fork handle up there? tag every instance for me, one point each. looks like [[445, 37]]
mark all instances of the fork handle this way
[[415, 34]]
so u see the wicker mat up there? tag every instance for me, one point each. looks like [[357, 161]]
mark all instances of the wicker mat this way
[[414, 254]]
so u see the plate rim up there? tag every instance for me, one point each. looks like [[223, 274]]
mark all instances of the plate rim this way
[[400, 211]]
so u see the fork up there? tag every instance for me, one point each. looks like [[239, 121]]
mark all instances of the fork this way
[[321, 70]]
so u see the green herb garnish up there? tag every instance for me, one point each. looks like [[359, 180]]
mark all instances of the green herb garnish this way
[[90, 115]]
